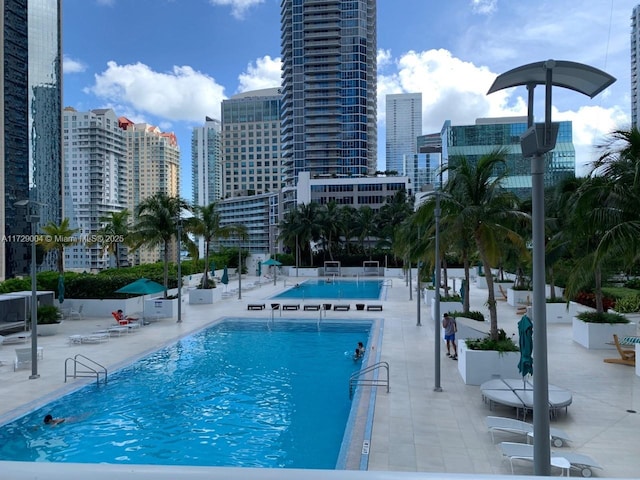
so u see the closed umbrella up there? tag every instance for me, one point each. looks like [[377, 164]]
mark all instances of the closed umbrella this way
[[61, 289], [212, 267], [259, 270], [225, 276], [525, 332]]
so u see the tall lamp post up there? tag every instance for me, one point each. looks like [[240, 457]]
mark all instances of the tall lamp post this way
[[536, 142], [179, 222], [33, 219]]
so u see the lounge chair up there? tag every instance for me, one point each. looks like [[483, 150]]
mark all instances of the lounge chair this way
[[15, 338], [503, 424], [627, 356], [291, 306], [523, 451], [344, 308], [89, 338], [313, 308], [502, 293], [374, 307], [23, 357], [256, 306]]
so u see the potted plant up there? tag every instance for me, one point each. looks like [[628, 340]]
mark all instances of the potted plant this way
[[482, 359], [594, 330], [204, 293], [48, 320]]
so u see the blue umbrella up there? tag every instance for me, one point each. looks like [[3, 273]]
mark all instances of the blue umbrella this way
[[225, 276], [61, 289], [525, 332]]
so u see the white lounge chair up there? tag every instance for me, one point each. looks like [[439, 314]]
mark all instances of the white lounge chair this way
[[523, 451], [503, 424], [23, 357], [15, 338], [76, 313]]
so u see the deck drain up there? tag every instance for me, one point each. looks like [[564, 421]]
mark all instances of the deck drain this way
[[365, 447]]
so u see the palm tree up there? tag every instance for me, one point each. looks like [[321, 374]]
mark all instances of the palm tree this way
[[116, 227], [57, 237], [365, 217], [486, 209], [206, 224], [156, 225], [300, 226]]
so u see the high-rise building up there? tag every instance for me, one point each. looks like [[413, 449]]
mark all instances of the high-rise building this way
[[251, 143], [153, 166], [328, 88], [30, 124], [635, 66], [474, 141], [404, 125], [206, 162], [95, 181]]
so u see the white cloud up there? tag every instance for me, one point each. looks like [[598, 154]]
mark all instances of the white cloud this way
[[484, 7], [70, 65], [265, 73], [182, 94], [238, 7]]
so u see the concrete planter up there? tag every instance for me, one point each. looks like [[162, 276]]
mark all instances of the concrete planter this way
[[429, 295], [478, 366], [519, 297], [599, 336], [160, 308], [445, 307], [48, 329], [481, 282], [559, 313], [199, 296], [505, 287]]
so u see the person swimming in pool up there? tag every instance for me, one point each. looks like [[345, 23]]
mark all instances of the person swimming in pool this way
[[49, 420]]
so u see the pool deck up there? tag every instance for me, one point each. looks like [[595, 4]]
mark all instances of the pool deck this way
[[415, 429]]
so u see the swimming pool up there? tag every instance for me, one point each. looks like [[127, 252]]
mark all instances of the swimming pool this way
[[335, 289], [241, 393]]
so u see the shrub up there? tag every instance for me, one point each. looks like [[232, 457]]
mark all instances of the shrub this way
[[502, 344], [628, 304], [633, 283], [473, 315], [451, 298], [556, 300], [605, 317], [589, 299], [48, 314]]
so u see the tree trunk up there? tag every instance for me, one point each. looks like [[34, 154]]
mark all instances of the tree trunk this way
[[491, 300], [598, 290], [465, 304], [166, 268]]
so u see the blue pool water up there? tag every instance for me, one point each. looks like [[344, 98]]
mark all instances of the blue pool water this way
[[241, 393], [335, 289]]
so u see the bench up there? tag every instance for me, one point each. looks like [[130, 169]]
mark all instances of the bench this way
[[256, 306], [314, 308], [344, 308], [291, 307], [374, 308]]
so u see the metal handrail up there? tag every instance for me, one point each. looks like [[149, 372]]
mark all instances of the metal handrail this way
[[356, 378], [96, 369]]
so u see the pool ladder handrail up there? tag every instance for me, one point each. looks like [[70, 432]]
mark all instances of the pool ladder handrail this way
[[356, 378], [94, 368]]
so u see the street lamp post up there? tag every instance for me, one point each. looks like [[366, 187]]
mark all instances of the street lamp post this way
[[436, 309], [536, 142], [239, 269], [33, 220]]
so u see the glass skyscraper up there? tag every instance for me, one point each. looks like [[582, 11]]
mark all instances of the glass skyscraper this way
[[404, 126], [30, 134], [328, 87], [488, 134]]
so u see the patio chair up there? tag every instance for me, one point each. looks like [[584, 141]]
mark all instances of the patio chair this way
[[23, 358], [509, 425], [627, 356], [524, 451], [76, 313], [15, 338]]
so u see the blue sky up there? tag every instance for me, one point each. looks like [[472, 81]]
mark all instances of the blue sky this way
[[171, 62]]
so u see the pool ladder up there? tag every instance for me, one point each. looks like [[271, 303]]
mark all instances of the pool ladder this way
[[88, 368], [371, 380]]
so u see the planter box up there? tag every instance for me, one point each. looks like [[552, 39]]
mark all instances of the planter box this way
[[496, 288], [559, 313], [445, 307], [48, 329], [519, 297], [199, 296], [481, 282], [478, 366], [160, 308], [600, 335], [429, 295]]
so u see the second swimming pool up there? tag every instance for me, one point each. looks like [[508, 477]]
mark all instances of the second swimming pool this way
[[241, 393], [335, 289]]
